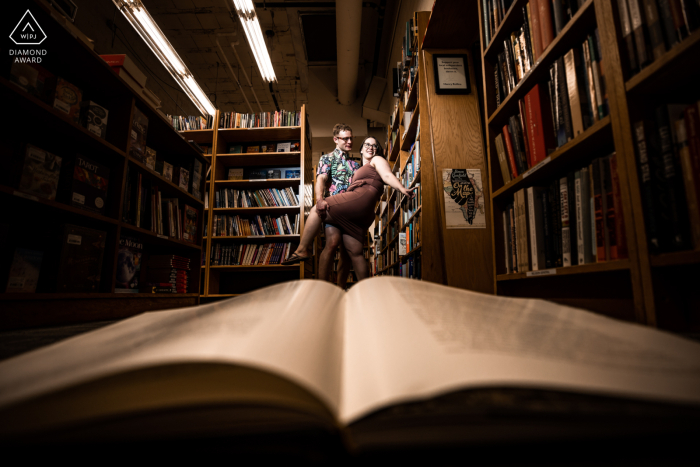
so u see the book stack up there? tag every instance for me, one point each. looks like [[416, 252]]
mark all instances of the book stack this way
[[650, 28], [575, 220], [167, 274], [668, 164]]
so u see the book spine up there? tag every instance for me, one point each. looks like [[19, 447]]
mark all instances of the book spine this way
[[514, 239], [692, 127], [507, 137], [527, 37], [485, 22], [629, 53], [506, 241], [656, 35], [547, 224], [620, 233], [510, 64], [611, 250], [641, 34], [558, 15], [689, 182], [523, 130], [596, 77], [579, 216], [565, 227], [564, 96], [555, 210], [573, 217], [502, 159], [668, 25], [546, 25], [598, 200], [533, 7], [573, 88]]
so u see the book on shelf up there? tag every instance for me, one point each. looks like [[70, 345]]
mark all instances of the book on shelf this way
[[191, 122], [235, 174], [402, 352], [182, 178], [250, 149], [190, 223], [87, 184], [32, 78], [284, 147], [65, 97], [150, 158], [80, 263], [120, 62], [280, 118], [235, 149], [24, 271], [40, 173], [167, 171], [269, 147], [139, 132], [93, 117], [129, 258]]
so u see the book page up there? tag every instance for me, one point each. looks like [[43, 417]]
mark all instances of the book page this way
[[291, 329], [408, 340]]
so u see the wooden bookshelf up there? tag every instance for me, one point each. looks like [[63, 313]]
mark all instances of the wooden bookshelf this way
[[447, 130], [651, 289], [222, 281], [36, 122]]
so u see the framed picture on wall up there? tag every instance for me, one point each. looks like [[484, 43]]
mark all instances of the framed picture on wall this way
[[451, 74]]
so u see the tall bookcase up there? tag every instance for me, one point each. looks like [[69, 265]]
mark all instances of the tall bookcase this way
[[657, 290], [220, 281], [448, 130], [33, 222]]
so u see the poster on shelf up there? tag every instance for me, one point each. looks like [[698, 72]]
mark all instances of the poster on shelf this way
[[464, 199]]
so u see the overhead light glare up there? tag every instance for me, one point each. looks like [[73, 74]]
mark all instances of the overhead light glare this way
[[246, 12], [141, 20]]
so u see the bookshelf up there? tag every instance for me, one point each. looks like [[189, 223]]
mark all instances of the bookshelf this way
[[441, 132], [229, 280], [34, 222], [653, 289]]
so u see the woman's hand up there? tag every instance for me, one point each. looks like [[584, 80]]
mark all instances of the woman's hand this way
[[408, 192]]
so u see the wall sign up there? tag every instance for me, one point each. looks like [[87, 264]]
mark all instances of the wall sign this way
[[451, 74]]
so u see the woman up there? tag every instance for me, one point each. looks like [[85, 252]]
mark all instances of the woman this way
[[353, 211]]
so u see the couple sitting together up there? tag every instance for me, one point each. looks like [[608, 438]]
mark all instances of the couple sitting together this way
[[348, 211]]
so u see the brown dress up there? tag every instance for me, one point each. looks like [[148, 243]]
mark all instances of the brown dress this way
[[353, 211]]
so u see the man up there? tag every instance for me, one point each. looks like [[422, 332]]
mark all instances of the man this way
[[333, 177]]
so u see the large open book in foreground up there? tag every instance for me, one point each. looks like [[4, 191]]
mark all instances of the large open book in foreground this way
[[392, 362]]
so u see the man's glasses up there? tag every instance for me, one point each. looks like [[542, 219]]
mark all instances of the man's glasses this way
[[347, 140], [367, 145]]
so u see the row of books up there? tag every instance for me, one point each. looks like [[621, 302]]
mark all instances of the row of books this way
[[62, 95], [411, 236], [192, 122], [280, 146], [145, 207], [264, 197], [75, 180], [79, 263], [402, 72], [543, 20], [412, 166], [411, 268], [576, 219], [250, 254], [267, 173], [236, 226], [278, 118], [668, 164], [164, 273], [651, 27], [412, 205]]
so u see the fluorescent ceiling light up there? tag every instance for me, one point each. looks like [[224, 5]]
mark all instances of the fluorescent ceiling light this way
[[251, 26], [138, 16]]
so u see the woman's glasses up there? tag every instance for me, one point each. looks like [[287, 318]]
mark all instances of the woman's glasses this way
[[367, 145]]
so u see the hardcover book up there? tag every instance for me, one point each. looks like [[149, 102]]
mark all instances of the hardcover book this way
[[24, 272], [252, 149], [40, 173], [89, 184], [284, 147], [167, 171], [191, 219], [139, 131], [150, 159], [66, 97], [235, 174], [183, 179], [128, 265], [420, 364], [80, 267], [93, 117]]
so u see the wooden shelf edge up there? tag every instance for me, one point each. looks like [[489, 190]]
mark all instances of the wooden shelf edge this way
[[514, 185], [676, 258], [617, 265], [265, 180], [143, 231], [242, 154], [675, 53], [262, 128], [254, 237], [256, 208]]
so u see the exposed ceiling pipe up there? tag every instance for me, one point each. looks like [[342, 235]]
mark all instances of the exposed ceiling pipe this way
[[223, 55], [246, 76], [348, 19]]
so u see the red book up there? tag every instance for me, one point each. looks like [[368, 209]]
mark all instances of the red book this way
[[546, 25], [540, 130], [536, 33], [509, 149], [526, 132], [123, 61], [621, 236]]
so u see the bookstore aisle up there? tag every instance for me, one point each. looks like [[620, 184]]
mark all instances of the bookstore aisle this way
[[434, 144], [591, 131], [103, 199]]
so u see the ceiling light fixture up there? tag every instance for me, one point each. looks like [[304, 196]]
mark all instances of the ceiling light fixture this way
[[251, 26], [138, 16]]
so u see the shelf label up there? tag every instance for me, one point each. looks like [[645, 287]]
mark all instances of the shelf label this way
[[25, 196], [543, 162], [74, 239], [161, 236], [541, 272]]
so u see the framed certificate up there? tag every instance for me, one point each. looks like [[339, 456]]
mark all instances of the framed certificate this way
[[451, 74]]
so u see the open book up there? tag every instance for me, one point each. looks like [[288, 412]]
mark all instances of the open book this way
[[305, 353]]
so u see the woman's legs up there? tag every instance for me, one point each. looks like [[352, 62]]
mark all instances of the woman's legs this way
[[359, 263], [311, 229]]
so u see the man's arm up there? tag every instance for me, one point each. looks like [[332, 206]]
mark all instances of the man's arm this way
[[321, 183]]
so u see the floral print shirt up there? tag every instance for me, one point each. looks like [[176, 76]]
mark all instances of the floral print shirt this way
[[339, 169]]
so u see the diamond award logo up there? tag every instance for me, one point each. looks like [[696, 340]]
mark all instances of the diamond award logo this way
[[28, 31]]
